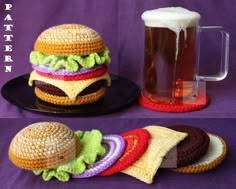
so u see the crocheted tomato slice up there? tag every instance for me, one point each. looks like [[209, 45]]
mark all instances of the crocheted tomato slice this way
[[136, 144], [89, 75]]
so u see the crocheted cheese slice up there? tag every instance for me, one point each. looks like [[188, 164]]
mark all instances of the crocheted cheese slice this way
[[161, 141], [71, 88]]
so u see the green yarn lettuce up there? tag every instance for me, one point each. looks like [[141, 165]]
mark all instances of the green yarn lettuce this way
[[48, 174], [72, 62], [91, 148]]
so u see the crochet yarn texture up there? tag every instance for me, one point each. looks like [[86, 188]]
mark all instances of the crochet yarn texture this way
[[215, 155], [71, 88], [201, 101], [43, 145], [136, 144], [66, 101], [91, 148], [115, 146], [161, 141], [68, 39], [193, 147]]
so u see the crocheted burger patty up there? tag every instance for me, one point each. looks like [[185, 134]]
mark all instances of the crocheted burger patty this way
[[215, 155], [50, 89], [66, 101], [71, 88], [193, 147]]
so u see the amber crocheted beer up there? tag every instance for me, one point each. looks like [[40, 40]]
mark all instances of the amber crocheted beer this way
[[170, 55]]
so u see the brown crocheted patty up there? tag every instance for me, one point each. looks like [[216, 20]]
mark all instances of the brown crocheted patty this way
[[66, 101], [193, 147], [50, 89]]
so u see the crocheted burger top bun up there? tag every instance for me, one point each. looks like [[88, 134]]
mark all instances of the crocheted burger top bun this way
[[43, 145], [69, 39]]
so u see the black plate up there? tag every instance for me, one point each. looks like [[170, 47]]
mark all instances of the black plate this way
[[120, 94]]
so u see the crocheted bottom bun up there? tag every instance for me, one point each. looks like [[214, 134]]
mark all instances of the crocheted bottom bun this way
[[214, 156], [43, 145], [66, 101]]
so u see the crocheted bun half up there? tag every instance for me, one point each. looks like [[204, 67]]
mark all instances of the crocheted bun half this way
[[43, 145], [69, 39]]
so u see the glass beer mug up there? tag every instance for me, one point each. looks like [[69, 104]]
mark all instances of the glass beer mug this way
[[171, 55]]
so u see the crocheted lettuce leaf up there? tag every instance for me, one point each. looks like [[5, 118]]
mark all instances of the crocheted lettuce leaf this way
[[71, 63], [48, 174], [91, 148]]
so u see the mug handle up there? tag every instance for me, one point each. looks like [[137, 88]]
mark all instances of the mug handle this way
[[224, 54]]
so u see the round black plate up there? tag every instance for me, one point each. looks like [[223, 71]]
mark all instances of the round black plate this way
[[120, 94]]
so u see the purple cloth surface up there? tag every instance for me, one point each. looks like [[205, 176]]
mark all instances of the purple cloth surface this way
[[122, 29], [222, 177]]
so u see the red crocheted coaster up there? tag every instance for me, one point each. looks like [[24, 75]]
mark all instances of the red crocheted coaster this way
[[200, 102], [136, 144], [89, 75]]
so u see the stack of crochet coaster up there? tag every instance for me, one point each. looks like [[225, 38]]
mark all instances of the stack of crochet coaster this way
[[53, 150], [70, 65]]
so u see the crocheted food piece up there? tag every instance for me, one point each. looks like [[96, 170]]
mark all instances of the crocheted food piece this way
[[115, 146], [71, 88], [91, 148], [64, 72], [93, 74], [160, 142], [136, 144], [69, 39], [50, 89], [43, 145], [193, 147], [65, 101], [201, 101], [71, 63], [215, 155]]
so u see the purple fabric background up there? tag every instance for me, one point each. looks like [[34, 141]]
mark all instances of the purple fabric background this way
[[122, 29], [222, 177]]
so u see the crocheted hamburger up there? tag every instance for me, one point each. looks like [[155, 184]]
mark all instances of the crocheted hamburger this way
[[70, 65]]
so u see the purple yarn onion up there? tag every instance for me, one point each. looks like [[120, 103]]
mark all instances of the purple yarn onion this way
[[65, 72], [115, 146]]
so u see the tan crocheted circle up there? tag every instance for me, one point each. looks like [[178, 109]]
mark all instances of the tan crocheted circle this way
[[202, 164], [43, 145], [69, 39], [66, 101]]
